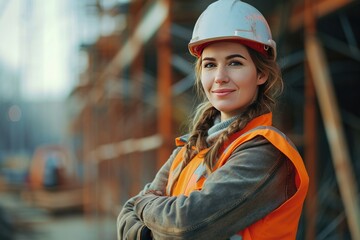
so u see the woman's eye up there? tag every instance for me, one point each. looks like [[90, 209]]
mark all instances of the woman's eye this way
[[235, 63], [209, 65]]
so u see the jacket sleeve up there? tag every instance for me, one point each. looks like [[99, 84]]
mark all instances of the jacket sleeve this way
[[248, 187], [129, 226]]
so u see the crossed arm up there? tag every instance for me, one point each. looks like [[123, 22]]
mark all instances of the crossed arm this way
[[248, 187]]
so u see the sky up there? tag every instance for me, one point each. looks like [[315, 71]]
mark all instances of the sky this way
[[39, 42]]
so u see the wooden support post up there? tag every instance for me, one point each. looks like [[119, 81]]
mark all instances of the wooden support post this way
[[115, 132], [335, 134], [310, 154], [136, 76], [153, 17], [320, 8], [164, 87], [89, 192]]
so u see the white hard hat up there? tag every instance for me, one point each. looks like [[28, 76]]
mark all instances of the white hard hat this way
[[236, 21]]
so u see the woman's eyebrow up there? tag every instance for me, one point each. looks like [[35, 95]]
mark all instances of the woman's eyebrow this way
[[208, 59], [235, 56], [227, 58]]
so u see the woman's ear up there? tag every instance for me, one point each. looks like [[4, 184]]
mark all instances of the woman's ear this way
[[262, 77]]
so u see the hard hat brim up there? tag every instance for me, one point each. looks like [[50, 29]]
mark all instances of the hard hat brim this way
[[196, 48]]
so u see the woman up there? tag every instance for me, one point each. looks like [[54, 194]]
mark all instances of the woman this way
[[234, 176]]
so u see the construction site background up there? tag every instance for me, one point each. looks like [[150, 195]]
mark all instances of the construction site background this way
[[94, 92]]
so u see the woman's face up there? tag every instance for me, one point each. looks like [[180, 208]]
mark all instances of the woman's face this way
[[229, 77]]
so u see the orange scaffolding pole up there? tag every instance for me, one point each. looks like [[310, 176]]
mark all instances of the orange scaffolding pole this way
[[136, 76], [164, 87]]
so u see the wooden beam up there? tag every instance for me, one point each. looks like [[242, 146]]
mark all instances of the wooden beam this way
[[152, 20], [117, 149], [335, 133], [164, 81], [321, 8], [310, 155], [135, 160]]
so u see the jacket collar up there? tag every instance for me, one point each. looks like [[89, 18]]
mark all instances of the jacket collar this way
[[262, 120]]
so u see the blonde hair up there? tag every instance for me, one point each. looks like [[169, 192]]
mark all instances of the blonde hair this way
[[205, 113]]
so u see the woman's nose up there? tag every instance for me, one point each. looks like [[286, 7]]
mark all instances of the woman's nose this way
[[221, 75]]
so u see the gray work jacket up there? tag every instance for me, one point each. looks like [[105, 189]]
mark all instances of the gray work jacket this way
[[256, 179]]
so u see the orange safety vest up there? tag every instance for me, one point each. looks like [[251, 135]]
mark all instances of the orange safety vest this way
[[280, 224]]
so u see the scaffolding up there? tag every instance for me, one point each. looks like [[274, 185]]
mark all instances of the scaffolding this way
[[137, 93]]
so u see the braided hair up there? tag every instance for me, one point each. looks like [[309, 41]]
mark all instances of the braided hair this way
[[205, 113]]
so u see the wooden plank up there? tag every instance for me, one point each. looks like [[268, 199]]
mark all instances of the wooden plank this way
[[131, 145], [55, 200], [153, 18], [321, 8], [335, 133]]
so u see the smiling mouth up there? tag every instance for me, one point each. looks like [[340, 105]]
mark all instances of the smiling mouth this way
[[222, 92]]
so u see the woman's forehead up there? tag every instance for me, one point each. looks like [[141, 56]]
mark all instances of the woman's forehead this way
[[224, 48]]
